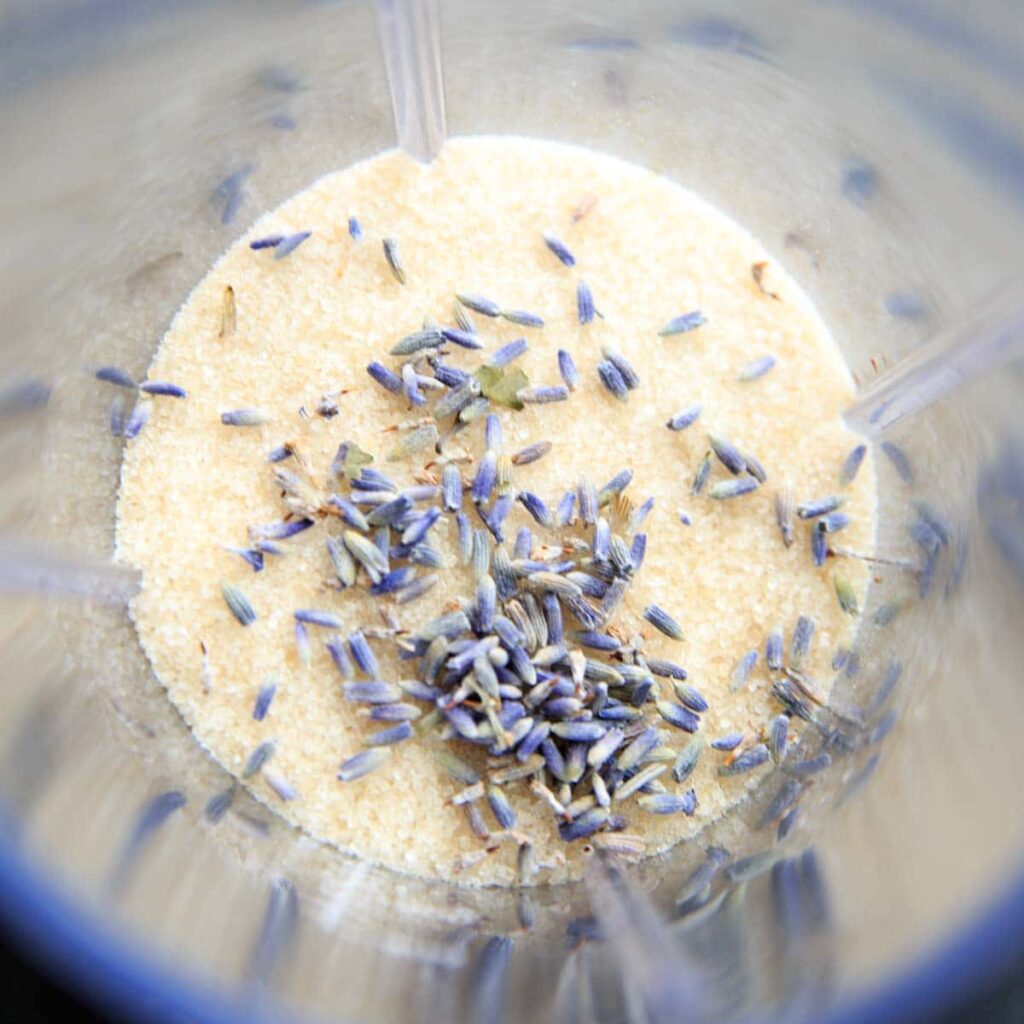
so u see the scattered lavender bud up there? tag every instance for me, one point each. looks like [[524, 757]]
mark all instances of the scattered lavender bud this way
[[637, 551], [778, 737], [690, 697], [238, 604], [282, 787], [819, 507], [684, 419], [243, 418], [477, 303], [640, 513], [734, 488], [263, 700], [616, 485], [800, 645], [416, 588], [687, 759], [787, 824], [886, 612], [410, 385], [728, 742], [280, 530], [584, 303], [540, 513], [363, 763], [465, 531], [531, 453], [451, 487], [231, 191], [115, 375], [612, 379], [336, 648], [747, 761], [812, 765], [773, 650], [741, 674], [629, 375], [355, 230], [449, 376], [385, 378], [819, 546], [585, 825], [312, 617], [602, 540], [486, 475], [418, 341], [728, 454], [665, 669], [578, 731], [289, 244], [669, 803], [393, 259], [834, 522], [700, 479], [509, 353], [258, 758], [754, 468], [786, 797], [683, 323], [756, 369], [388, 512], [784, 514], [118, 408], [302, 643], [934, 520], [163, 388], [543, 395], [363, 655], [560, 249], [522, 318], [474, 410], [421, 526], [464, 339], [565, 512], [851, 465], [605, 747], [663, 622], [900, 462], [493, 439], [567, 369], [389, 737], [524, 544], [846, 595], [269, 242]]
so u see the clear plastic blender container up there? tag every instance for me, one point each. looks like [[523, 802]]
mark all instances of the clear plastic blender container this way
[[876, 147]]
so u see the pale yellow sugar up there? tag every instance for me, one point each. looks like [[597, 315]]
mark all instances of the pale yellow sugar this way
[[308, 324]]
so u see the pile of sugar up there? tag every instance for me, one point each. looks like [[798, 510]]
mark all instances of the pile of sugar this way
[[309, 324]]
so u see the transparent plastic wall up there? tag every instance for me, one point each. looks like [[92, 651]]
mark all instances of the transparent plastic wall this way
[[877, 149]]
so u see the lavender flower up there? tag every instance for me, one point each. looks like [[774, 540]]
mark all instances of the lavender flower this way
[[683, 323], [560, 249]]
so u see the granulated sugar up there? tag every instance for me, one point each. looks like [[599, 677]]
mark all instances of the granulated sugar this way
[[306, 325]]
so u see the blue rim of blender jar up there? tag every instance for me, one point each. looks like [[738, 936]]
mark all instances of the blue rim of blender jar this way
[[85, 957], [101, 968]]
